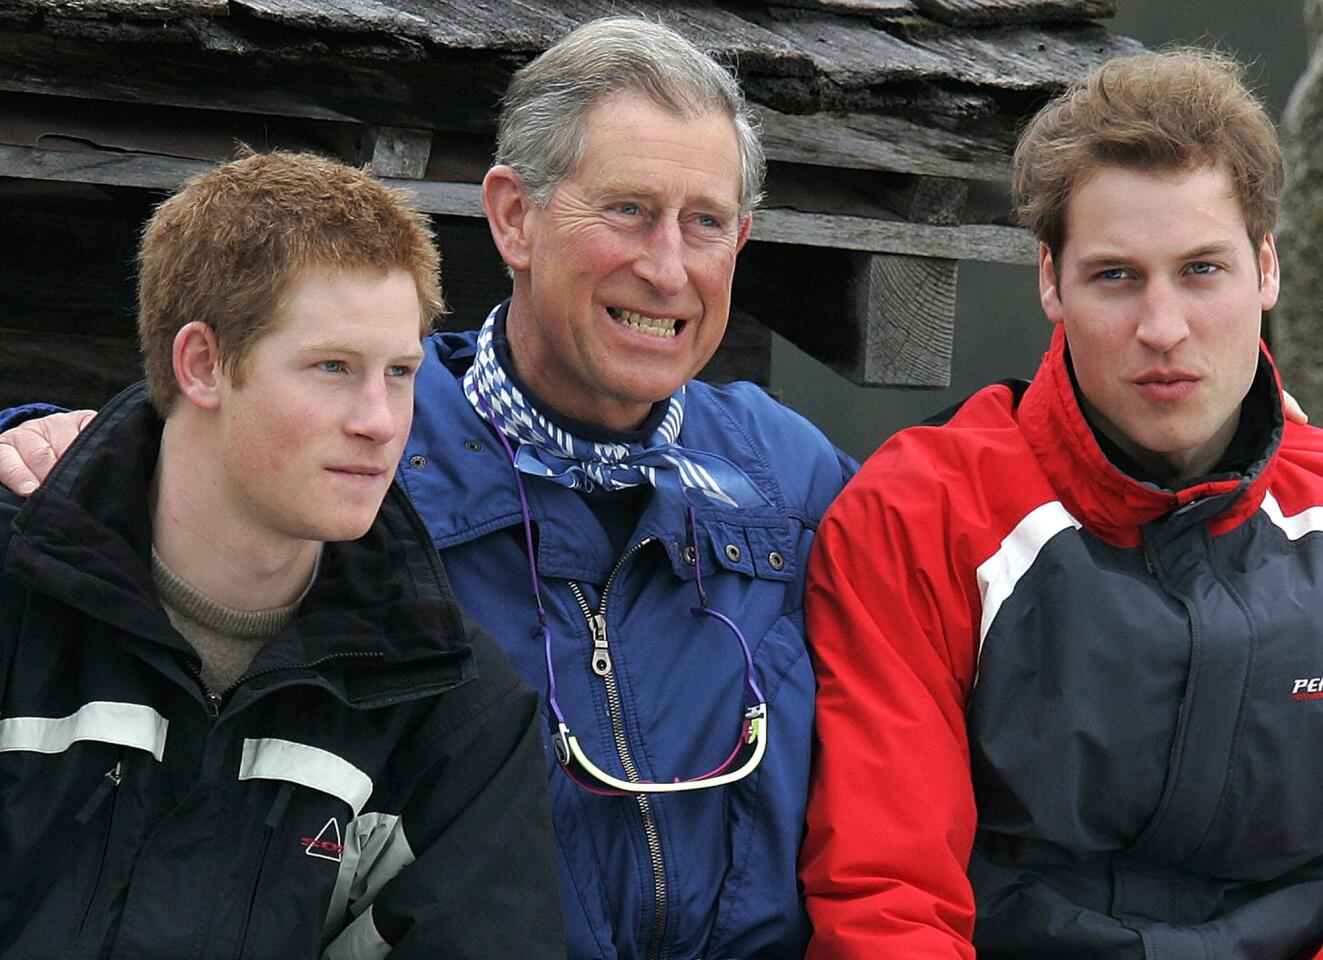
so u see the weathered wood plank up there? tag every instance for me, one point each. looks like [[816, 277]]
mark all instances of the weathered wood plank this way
[[521, 25], [848, 50], [873, 9], [99, 166], [132, 9], [356, 16], [1044, 57], [851, 54], [931, 200], [909, 306], [400, 152], [865, 141], [991, 243], [74, 123], [458, 93], [982, 13]]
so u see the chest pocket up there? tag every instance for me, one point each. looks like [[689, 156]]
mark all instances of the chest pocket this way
[[765, 551]]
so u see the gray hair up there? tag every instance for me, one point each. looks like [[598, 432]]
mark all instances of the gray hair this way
[[541, 128]]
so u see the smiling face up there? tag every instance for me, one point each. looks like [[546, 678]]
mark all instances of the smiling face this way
[[622, 281], [1161, 293], [311, 428]]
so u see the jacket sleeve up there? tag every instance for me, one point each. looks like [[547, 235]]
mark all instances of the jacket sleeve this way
[[13, 416], [891, 815], [470, 863]]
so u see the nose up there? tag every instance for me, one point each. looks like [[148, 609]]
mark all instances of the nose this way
[[661, 261], [1163, 322], [372, 415]]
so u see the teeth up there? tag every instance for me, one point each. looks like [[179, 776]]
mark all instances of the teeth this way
[[654, 326]]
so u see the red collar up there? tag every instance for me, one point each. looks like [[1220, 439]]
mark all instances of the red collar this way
[[1107, 501]]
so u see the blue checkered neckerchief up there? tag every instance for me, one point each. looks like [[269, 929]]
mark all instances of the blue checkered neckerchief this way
[[546, 450]]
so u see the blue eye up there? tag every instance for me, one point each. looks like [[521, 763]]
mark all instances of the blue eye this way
[[332, 366], [628, 209], [399, 370], [1203, 268]]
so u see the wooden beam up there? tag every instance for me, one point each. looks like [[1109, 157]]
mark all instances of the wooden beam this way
[[138, 9], [873, 9], [880, 320], [870, 141], [908, 304], [223, 70], [401, 152], [996, 244], [985, 242], [995, 13]]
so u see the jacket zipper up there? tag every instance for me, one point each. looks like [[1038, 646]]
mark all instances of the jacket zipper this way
[[273, 818], [601, 664], [106, 788], [213, 702]]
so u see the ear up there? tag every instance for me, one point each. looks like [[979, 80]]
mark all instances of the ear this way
[[1049, 292], [1270, 273], [746, 226], [508, 206], [197, 365]]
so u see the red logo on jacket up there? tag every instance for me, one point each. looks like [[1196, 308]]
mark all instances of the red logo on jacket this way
[[327, 844]]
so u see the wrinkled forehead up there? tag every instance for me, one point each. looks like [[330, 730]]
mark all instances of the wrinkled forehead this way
[[631, 142]]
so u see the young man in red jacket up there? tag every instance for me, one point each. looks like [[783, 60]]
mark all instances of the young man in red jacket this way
[[1067, 635]]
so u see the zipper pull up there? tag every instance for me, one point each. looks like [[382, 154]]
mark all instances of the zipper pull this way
[[109, 781], [213, 704], [601, 654]]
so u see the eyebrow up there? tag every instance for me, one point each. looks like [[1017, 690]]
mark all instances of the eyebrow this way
[[611, 193], [1108, 261], [341, 346]]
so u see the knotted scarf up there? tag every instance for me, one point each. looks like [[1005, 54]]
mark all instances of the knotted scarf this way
[[542, 449]]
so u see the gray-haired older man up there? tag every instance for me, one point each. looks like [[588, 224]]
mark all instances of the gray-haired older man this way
[[634, 539]]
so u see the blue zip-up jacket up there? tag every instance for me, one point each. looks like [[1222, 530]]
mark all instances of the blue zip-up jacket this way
[[708, 873]]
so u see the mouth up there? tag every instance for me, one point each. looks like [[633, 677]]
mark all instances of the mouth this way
[[661, 327], [1166, 386], [357, 472]]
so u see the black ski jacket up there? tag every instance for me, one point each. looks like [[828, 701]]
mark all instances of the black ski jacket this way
[[373, 786]]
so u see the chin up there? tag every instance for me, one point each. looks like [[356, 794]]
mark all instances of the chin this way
[[328, 530]]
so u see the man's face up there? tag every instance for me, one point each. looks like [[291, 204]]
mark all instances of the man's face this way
[[311, 438], [627, 288], [1161, 293]]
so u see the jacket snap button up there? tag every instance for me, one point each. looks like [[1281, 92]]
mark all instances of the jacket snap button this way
[[733, 553], [472, 446], [688, 554], [777, 561], [418, 461]]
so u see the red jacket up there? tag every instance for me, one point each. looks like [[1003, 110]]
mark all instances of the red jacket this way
[[1091, 685]]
